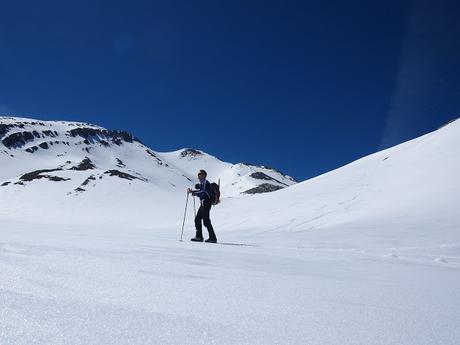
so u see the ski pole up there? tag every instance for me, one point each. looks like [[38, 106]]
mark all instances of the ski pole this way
[[185, 213], [194, 207]]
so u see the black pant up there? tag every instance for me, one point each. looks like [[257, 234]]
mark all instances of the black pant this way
[[203, 214]]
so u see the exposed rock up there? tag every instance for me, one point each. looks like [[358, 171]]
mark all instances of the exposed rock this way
[[56, 178], [6, 128], [151, 153], [88, 180], [262, 176], [263, 188], [121, 174], [271, 168], [85, 164], [92, 135], [33, 123], [18, 139], [44, 146], [32, 149], [5, 184], [190, 153], [120, 163], [37, 174], [49, 133]]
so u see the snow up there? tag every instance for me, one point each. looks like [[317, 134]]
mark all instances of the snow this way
[[75, 285], [234, 178], [163, 176], [366, 254]]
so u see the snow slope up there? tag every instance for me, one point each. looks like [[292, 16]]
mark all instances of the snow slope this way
[[408, 194], [65, 172], [366, 254]]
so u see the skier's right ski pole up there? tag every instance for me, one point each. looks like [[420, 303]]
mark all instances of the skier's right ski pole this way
[[185, 213]]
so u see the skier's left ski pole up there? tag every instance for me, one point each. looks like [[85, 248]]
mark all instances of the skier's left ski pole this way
[[194, 207], [185, 213]]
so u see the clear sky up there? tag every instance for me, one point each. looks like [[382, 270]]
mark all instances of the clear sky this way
[[304, 86]]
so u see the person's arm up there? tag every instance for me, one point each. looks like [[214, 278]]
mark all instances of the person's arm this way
[[199, 191]]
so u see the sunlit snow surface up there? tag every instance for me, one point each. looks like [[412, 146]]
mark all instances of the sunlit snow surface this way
[[366, 254]]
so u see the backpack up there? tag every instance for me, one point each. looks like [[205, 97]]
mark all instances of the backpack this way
[[215, 193]]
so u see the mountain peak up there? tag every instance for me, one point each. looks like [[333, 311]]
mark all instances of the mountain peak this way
[[189, 152], [16, 133], [82, 157]]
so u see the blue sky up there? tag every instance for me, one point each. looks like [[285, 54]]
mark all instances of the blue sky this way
[[302, 86]]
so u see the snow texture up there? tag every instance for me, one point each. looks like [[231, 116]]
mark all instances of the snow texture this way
[[365, 254]]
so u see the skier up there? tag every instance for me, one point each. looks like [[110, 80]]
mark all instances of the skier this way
[[205, 195]]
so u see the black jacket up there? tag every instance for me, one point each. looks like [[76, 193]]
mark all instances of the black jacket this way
[[204, 193]]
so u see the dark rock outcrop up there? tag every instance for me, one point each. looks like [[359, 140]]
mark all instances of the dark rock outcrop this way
[[5, 128], [159, 161], [120, 163], [49, 133], [270, 168], [85, 164], [17, 140], [262, 176], [85, 182], [190, 153], [263, 188], [96, 135], [121, 174], [32, 149], [38, 174], [88, 180]]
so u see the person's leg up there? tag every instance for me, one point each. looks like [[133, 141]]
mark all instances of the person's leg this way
[[207, 221], [198, 226]]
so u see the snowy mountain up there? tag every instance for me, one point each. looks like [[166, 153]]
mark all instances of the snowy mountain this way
[[241, 178], [76, 166], [365, 254], [91, 174], [67, 149]]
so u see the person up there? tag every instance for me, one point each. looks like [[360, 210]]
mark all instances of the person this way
[[204, 193]]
